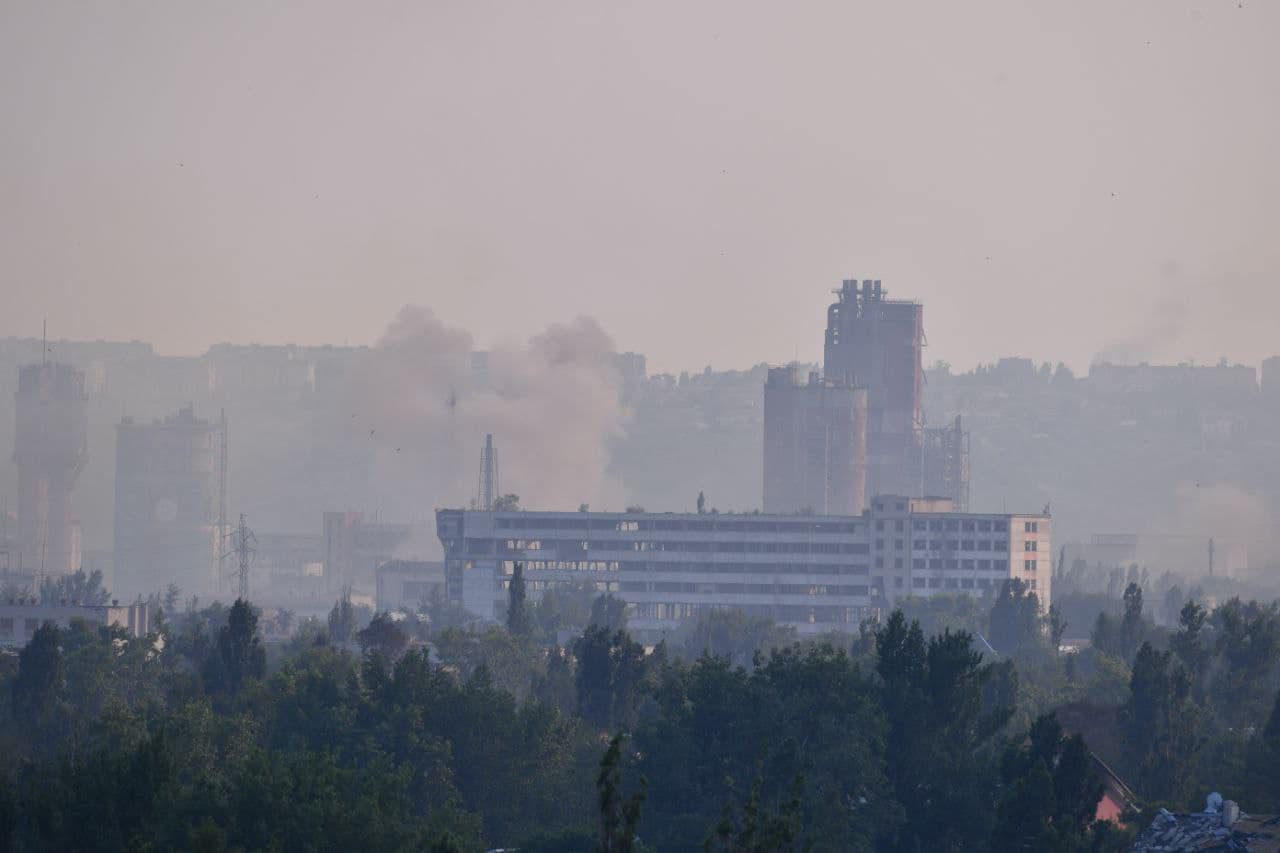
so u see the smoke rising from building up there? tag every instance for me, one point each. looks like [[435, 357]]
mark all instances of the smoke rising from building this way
[[424, 398]]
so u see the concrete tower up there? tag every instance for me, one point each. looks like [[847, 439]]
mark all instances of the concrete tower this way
[[50, 452], [875, 343]]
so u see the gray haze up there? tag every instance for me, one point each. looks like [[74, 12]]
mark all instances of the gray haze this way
[[1065, 181]]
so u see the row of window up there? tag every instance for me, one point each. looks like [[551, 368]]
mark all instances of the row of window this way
[[962, 545], [956, 524], [957, 583], [745, 588], [794, 613], [533, 521], [481, 546], [508, 567], [964, 565]]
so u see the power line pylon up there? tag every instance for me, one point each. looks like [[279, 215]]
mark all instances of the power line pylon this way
[[245, 540]]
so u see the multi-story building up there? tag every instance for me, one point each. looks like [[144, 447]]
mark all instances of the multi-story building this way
[[875, 343], [168, 503], [50, 449], [814, 572], [815, 445]]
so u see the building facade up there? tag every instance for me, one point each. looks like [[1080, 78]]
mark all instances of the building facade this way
[[20, 619], [815, 445], [408, 584], [815, 573], [875, 343], [50, 450], [167, 504]]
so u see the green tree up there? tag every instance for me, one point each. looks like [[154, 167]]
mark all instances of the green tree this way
[[1159, 726], [1132, 627], [619, 815], [342, 618], [383, 637], [518, 621], [942, 705], [609, 611], [610, 669], [506, 503], [238, 655], [38, 684], [1015, 618], [1248, 646], [1051, 791]]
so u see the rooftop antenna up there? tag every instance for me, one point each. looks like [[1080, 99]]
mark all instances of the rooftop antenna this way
[[488, 490]]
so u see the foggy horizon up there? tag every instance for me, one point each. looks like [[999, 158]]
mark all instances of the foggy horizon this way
[[189, 175]]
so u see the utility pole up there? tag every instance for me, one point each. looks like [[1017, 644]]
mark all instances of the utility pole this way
[[244, 549]]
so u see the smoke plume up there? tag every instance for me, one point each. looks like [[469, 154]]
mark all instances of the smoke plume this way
[[424, 399]]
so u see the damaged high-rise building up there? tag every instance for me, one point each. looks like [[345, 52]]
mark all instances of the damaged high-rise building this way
[[872, 355], [50, 451], [169, 497]]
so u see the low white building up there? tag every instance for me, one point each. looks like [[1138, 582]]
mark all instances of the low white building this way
[[20, 618]]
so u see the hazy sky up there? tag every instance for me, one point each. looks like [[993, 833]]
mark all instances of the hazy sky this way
[[1051, 179]]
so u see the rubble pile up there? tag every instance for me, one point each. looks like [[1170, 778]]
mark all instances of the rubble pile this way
[[1220, 827]]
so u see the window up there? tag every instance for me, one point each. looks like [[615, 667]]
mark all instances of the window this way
[[897, 562], [897, 583], [1000, 526], [1031, 526], [919, 545], [935, 544], [897, 544], [984, 544], [953, 525], [1031, 545], [879, 525], [953, 564], [967, 565], [1029, 565], [879, 562], [967, 526], [1000, 565], [984, 565], [952, 583], [917, 563], [984, 526], [919, 525], [966, 545], [918, 583], [879, 544], [936, 565], [966, 583], [935, 525], [934, 583], [900, 506], [899, 525], [1001, 545]]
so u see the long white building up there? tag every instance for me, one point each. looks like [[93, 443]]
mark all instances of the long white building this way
[[814, 572]]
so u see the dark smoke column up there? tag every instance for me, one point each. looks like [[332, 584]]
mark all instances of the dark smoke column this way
[[875, 343], [50, 452]]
